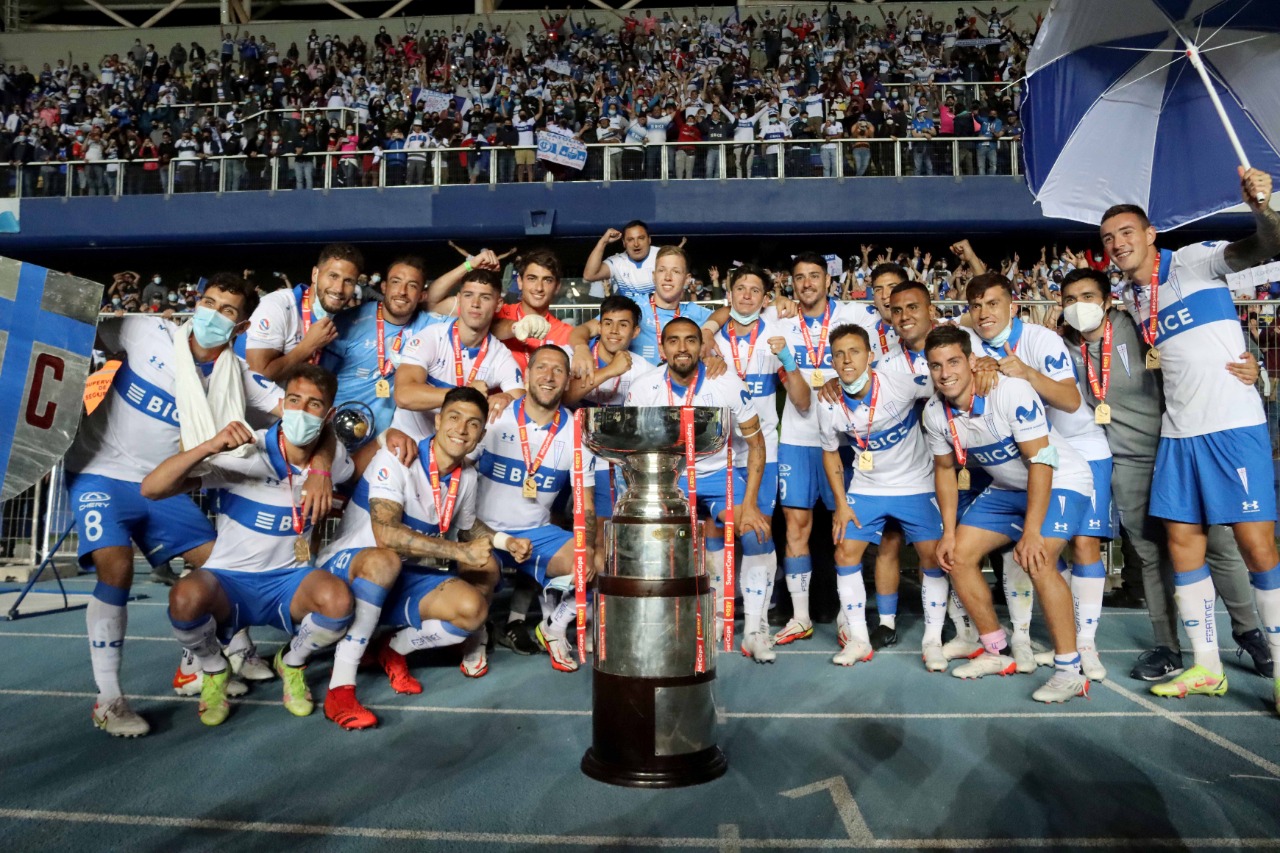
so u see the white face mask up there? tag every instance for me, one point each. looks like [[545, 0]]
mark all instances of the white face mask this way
[[1084, 316]]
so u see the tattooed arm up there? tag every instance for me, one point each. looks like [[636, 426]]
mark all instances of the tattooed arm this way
[[388, 532]]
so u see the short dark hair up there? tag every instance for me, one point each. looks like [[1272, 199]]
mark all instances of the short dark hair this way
[[617, 302], [908, 286], [341, 252], [681, 321], [415, 261], [755, 270], [1117, 209], [808, 258], [636, 223], [889, 269], [229, 282], [316, 375], [1086, 274], [544, 258], [844, 330], [488, 277], [980, 284], [533, 356], [467, 394], [946, 335]]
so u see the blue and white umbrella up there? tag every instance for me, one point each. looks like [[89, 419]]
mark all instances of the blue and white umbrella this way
[[1151, 102]]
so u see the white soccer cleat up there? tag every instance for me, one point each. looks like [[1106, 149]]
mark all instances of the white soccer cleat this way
[[1091, 664], [794, 630], [188, 680], [757, 647], [1023, 655], [855, 651], [1063, 686], [475, 655], [842, 635], [935, 660], [1044, 658], [246, 665], [986, 664], [961, 647], [119, 720], [558, 649]]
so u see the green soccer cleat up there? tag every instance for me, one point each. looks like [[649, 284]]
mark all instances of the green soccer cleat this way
[[297, 698], [1197, 681], [214, 707]]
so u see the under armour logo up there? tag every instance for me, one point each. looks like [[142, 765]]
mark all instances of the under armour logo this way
[[1249, 506], [1060, 527]]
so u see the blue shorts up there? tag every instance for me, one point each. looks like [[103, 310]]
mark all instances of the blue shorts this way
[[260, 598], [918, 515], [1220, 478], [1097, 515], [979, 480], [403, 605], [547, 542], [1003, 511], [711, 490], [114, 512], [767, 499], [802, 479]]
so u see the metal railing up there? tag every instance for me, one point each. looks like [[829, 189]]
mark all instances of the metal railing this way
[[381, 168]]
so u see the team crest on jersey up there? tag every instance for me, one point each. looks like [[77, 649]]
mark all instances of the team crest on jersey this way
[[383, 474], [264, 325]]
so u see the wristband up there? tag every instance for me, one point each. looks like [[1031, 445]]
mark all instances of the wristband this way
[[788, 359], [711, 326], [467, 265], [502, 541], [319, 472], [382, 439]]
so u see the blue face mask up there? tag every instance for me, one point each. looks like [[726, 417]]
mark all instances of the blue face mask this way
[[1000, 339], [855, 387], [301, 428], [317, 310], [744, 319], [210, 328]]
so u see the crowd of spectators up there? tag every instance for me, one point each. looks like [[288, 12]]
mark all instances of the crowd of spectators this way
[[841, 80]]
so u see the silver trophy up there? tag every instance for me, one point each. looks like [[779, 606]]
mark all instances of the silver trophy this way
[[653, 712]]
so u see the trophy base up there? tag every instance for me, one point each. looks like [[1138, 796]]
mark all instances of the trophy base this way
[[674, 772]]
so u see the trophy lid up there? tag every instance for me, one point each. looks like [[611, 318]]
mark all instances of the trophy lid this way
[[616, 432]]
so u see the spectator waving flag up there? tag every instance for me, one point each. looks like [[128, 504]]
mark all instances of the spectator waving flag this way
[[1155, 107]]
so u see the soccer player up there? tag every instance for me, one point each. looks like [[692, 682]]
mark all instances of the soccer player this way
[[630, 272], [761, 369], [292, 327], [892, 479], [451, 355], [879, 318], [260, 571], [1038, 355], [684, 381], [126, 437], [538, 275], [526, 459], [1110, 363], [1038, 498], [1214, 462], [400, 519]]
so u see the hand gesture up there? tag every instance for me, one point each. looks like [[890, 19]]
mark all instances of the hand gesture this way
[[320, 335], [714, 274], [520, 549], [233, 435], [1013, 366], [583, 364], [497, 404], [611, 236], [777, 344], [476, 552], [486, 260]]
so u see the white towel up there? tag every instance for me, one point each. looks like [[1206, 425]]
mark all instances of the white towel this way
[[201, 416]]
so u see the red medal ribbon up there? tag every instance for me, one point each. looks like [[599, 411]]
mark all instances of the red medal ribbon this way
[[871, 413], [295, 510], [444, 513], [961, 453], [306, 321], [385, 367], [816, 356], [1153, 324], [457, 357], [531, 466], [733, 345], [1099, 390]]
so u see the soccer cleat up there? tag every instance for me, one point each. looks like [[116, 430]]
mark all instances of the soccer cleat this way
[[1023, 655], [165, 574], [794, 630], [214, 708], [1160, 662], [475, 663], [342, 706], [986, 664], [757, 647], [557, 648], [396, 667], [297, 698], [961, 647], [1063, 686], [1044, 658], [883, 636], [1091, 664], [855, 651], [935, 660], [842, 635], [191, 683], [1197, 681], [246, 665], [1252, 644], [119, 720], [515, 636]]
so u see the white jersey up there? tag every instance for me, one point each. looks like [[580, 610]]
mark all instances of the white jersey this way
[[902, 360], [432, 350], [135, 428], [276, 324], [901, 463], [1011, 413], [500, 503], [387, 478], [1199, 333], [631, 279], [884, 339], [1044, 350], [613, 392], [760, 373], [255, 506], [801, 429], [726, 390]]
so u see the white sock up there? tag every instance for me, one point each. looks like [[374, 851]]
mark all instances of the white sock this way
[[107, 620], [1266, 591], [315, 632], [566, 611], [757, 569], [1088, 583], [1019, 595], [853, 600], [351, 648], [768, 600], [434, 634], [799, 571], [199, 639], [933, 594], [1195, 596], [960, 618]]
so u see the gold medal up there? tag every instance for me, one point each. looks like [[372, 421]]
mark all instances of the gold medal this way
[[865, 461], [302, 549], [530, 489], [816, 379], [1102, 414], [1153, 359], [382, 388], [962, 480]]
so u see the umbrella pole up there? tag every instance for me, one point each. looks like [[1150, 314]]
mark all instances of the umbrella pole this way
[[1193, 54]]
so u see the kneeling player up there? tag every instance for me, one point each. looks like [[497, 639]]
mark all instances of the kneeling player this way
[[1038, 497], [260, 571], [400, 512]]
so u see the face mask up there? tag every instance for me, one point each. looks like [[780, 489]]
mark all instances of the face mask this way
[[210, 328], [317, 310], [375, 279], [155, 280], [301, 428], [1000, 339], [115, 301], [744, 319], [856, 386], [1054, 265], [173, 297], [1115, 279], [1084, 316]]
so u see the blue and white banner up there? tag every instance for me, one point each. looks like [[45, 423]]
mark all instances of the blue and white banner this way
[[562, 149], [435, 102], [559, 66], [977, 42]]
